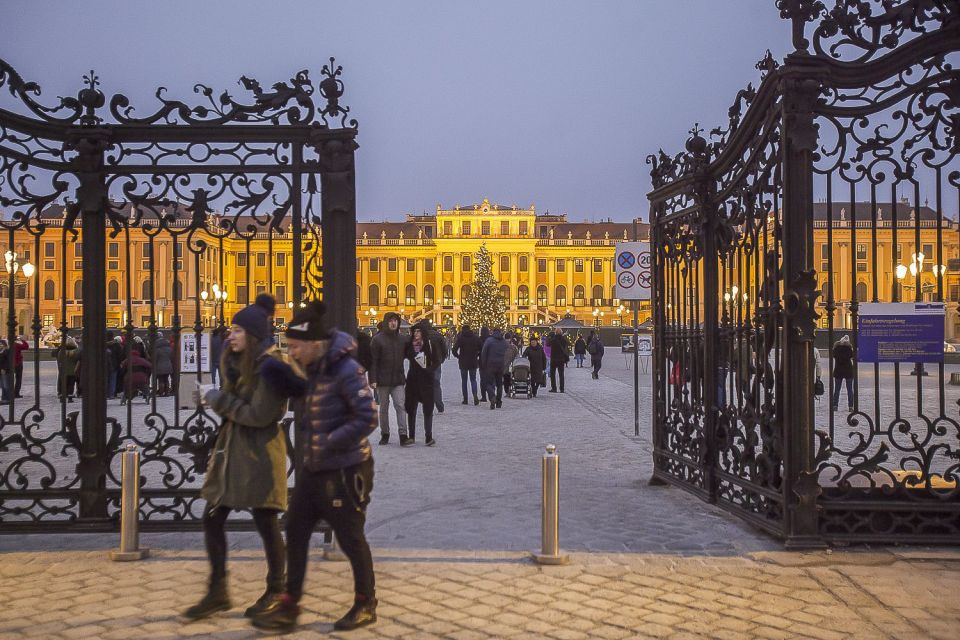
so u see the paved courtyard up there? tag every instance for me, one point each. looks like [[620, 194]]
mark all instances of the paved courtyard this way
[[451, 526]]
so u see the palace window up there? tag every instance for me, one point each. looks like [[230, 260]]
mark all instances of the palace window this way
[[373, 295], [261, 259], [427, 232], [561, 265], [241, 259], [523, 227], [578, 295], [544, 232], [447, 228], [410, 295], [505, 228], [448, 295], [392, 295], [281, 259], [928, 252], [862, 291], [49, 290], [411, 264], [597, 295], [505, 293], [242, 297], [447, 263], [49, 250], [523, 295], [428, 264], [47, 320], [428, 295], [861, 251], [578, 265], [561, 300], [465, 263], [523, 263], [541, 265], [597, 265], [464, 292], [261, 288], [113, 290], [465, 228], [146, 290], [113, 250], [542, 295], [374, 264], [504, 264], [485, 228], [391, 264], [280, 293]]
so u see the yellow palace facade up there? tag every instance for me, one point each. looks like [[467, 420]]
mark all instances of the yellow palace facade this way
[[419, 267]]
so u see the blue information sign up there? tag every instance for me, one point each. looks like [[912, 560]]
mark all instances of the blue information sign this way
[[900, 332]]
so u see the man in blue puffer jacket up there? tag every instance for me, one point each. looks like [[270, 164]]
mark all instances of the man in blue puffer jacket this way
[[335, 412]]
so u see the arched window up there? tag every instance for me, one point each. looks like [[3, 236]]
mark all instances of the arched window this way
[[447, 294], [113, 290], [78, 290], [146, 290], [523, 295], [542, 295], [578, 294], [561, 296], [862, 294], [597, 294], [410, 295], [428, 295], [505, 293], [824, 291], [464, 292], [49, 290], [392, 293], [373, 293]]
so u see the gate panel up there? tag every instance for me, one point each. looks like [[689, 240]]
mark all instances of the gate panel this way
[[154, 228]]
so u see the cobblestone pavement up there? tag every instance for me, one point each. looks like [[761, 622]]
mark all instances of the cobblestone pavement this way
[[463, 596]]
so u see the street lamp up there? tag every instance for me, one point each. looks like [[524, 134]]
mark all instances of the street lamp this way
[[596, 317], [915, 267]]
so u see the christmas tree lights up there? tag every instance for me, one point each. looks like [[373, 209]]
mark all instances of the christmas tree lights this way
[[484, 306]]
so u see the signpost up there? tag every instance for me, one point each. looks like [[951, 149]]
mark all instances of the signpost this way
[[190, 357], [632, 268], [900, 332]]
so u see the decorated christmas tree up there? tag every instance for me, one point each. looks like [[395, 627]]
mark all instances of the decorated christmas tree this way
[[484, 306]]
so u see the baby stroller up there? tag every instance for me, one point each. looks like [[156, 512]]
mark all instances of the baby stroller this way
[[520, 378]]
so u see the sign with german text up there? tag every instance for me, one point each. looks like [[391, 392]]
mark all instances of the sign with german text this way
[[190, 355], [632, 269], [900, 332]]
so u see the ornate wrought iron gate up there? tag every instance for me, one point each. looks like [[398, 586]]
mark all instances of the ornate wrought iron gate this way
[[150, 219], [836, 149]]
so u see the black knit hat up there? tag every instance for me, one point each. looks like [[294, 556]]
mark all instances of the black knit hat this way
[[255, 319], [309, 323]]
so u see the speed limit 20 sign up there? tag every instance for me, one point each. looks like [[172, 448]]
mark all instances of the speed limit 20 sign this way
[[632, 266]]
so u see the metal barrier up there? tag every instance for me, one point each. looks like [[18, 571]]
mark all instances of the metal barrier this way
[[550, 534], [130, 508]]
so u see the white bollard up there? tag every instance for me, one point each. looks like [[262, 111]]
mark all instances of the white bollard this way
[[129, 508], [550, 534]]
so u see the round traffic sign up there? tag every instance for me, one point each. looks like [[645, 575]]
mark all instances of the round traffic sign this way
[[625, 260], [626, 280], [644, 279], [643, 258]]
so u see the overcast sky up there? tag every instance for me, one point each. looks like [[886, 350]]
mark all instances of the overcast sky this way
[[555, 103]]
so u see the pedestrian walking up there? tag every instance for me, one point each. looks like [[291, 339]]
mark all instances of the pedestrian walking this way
[[538, 364], [162, 364], [843, 372], [441, 351], [216, 351], [595, 349], [364, 356], [6, 372], [466, 349], [492, 357], [114, 358], [248, 467], [387, 378], [580, 349], [484, 336], [419, 389], [19, 346], [136, 377], [336, 414], [513, 350], [68, 356], [559, 357]]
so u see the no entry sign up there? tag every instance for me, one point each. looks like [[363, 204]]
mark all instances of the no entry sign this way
[[633, 270]]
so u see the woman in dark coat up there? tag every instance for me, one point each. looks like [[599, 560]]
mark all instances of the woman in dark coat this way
[[484, 336], [466, 350], [580, 350], [538, 364], [419, 386], [136, 377], [248, 467], [843, 371], [162, 364], [595, 349]]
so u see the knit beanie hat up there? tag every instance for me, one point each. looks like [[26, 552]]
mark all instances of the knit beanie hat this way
[[308, 323], [255, 319]]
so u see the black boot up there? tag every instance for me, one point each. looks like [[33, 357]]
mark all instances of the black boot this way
[[215, 600], [362, 613], [262, 603], [280, 614], [476, 400], [385, 438]]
